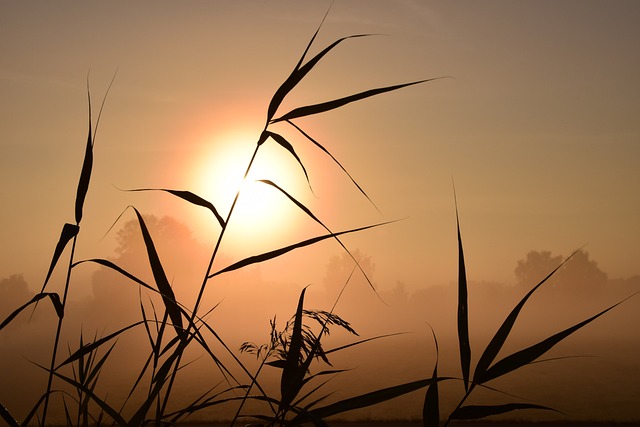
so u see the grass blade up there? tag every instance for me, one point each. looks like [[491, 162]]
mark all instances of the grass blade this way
[[529, 354], [69, 231], [463, 309], [111, 265], [498, 340], [309, 110], [472, 412], [7, 417], [299, 71], [372, 398], [431, 407], [160, 277], [88, 348], [55, 300], [312, 216], [342, 347], [103, 405], [191, 198], [87, 165], [320, 146], [291, 379], [281, 251], [287, 146]]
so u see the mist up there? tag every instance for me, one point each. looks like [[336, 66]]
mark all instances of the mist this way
[[592, 378]]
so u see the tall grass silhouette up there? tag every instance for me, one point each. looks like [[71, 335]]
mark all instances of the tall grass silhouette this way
[[170, 327]]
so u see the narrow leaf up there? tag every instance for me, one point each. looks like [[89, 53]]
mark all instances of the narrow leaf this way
[[55, 300], [160, 277], [191, 198], [309, 110], [463, 310], [287, 146], [342, 347], [312, 216], [472, 412], [69, 231], [290, 382], [87, 165], [431, 407], [7, 417], [103, 405], [300, 72], [529, 354], [88, 348], [281, 251], [372, 398], [320, 146], [498, 340], [111, 265]]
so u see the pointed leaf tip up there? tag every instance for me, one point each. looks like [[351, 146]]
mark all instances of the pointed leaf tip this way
[[69, 231], [85, 174]]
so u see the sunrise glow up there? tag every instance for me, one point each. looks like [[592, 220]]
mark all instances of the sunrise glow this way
[[262, 213]]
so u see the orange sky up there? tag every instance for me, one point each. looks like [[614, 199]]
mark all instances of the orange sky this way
[[536, 122], [538, 126]]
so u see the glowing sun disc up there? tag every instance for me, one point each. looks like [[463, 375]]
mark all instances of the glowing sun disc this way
[[262, 215]]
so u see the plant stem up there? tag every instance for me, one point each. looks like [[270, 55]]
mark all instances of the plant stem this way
[[183, 343], [58, 331]]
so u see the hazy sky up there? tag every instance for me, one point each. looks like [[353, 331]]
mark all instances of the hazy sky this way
[[536, 122], [538, 125]]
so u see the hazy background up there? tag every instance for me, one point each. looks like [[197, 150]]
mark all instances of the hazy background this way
[[537, 126]]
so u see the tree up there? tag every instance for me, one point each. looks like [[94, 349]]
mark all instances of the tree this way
[[13, 293], [535, 267], [578, 274]]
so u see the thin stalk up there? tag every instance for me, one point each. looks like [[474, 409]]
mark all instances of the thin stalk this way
[[58, 331], [181, 346]]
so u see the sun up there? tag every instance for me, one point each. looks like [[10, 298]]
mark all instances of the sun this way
[[263, 216]]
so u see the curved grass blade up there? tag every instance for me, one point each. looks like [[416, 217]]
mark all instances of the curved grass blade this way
[[160, 277], [320, 146], [529, 354], [69, 231], [111, 265], [291, 379], [191, 198], [287, 146], [309, 110], [473, 412], [89, 348], [463, 308], [498, 340], [7, 417], [55, 300], [353, 344], [312, 216], [372, 398], [281, 251], [431, 407], [87, 165], [299, 72]]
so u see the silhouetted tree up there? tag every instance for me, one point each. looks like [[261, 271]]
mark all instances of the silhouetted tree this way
[[340, 267], [13, 293], [535, 267], [182, 257], [578, 274]]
